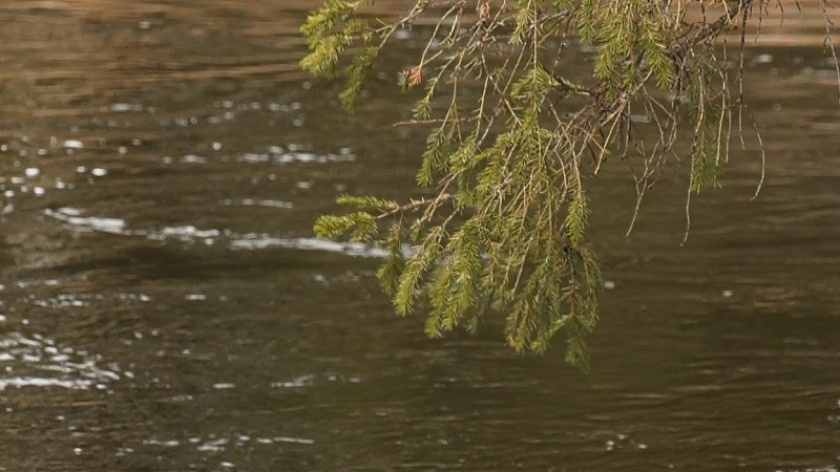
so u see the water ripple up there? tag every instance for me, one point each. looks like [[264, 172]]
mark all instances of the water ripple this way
[[190, 233], [37, 361]]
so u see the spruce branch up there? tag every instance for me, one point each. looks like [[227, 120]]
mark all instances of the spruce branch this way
[[514, 139]]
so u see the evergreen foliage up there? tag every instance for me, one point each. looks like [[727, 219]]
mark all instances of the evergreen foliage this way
[[506, 232]]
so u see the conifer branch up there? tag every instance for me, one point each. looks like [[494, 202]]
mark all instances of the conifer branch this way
[[514, 139]]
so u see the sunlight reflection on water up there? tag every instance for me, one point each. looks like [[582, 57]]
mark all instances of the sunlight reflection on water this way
[[208, 237], [37, 361]]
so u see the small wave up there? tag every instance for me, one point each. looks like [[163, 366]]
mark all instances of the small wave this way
[[189, 233], [91, 223], [37, 361], [308, 244]]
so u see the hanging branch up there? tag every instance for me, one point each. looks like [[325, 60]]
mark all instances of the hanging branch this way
[[506, 232]]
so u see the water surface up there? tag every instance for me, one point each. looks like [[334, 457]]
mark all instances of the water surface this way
[[166, 307]]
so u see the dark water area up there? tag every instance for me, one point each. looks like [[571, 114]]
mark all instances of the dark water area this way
[[165, 306]]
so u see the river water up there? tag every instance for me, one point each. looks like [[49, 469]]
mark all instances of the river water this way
[[165, 307]]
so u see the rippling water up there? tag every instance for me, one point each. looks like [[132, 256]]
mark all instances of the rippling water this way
[[165, 306]]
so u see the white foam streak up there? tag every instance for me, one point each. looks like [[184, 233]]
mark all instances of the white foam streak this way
[[91, 223], [308, 244], [78, 384]]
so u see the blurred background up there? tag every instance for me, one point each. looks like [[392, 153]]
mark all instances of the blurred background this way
[[165, 306]]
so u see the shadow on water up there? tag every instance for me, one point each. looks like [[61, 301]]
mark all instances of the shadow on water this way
[[165, 307]]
